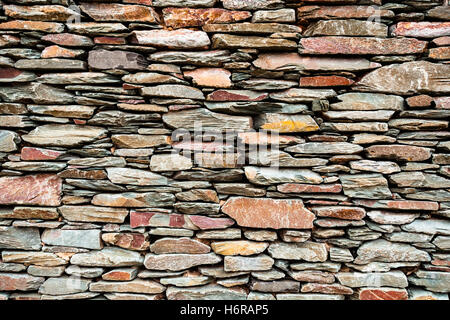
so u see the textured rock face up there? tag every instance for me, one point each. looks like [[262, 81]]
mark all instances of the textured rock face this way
[[273, 213], [224, 149]]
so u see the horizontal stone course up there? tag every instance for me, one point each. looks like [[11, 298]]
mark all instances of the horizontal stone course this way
[[224, 149]]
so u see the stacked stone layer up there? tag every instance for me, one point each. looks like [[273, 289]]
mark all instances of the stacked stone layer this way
[[108, 190]]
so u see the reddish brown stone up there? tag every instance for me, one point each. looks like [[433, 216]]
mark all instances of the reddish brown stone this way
[[360, 45], [120, 12], [83, 174], [269, 213], [127, 274], [18, 281], [192, 222], [56, 51], [422, 100], [188, 17], [422, 29], [442, 102], [7, 40], [41, 189], [399, 152], [308, 188], [399, 204], [207, 223], [68, 39], [132, 241], [325, 81], [31, 153], [382, 294], [9, 73], [109, 40], [341, 12], [326, 288], [237, 95], [178, 245], [442, 53], [347, 213], [210, 77], [442, 41], [32, 26]]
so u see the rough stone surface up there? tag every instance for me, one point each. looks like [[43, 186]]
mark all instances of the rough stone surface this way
[[224, 149]]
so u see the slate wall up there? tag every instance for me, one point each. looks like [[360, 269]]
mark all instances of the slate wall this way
[[233, 149]]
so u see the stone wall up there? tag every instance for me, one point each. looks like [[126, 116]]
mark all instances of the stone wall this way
[[233, 149]]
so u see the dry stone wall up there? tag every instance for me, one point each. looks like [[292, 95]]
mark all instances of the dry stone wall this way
[[233, 149]]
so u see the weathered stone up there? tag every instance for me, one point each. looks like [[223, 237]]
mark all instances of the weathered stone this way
[[349, 213], [353, 45], [286, 123], [409, 77], [422, 29], [198, 58], [39, 258], [107, 257], [119, 12], [384, 251], [420, 294], [183, 3], [325, 148], [252, 4], [399, 204], [384, 167], [293, 62], [104, 59], [313, 276], [431, 280], [20, 238], [399, 152], [210, 77], [8, 141], [19, 282], [325, 81], [179, 245], [367, 186], [280, 15], [307, 188], [271, 213], [120, 274], [175, 262], [93, 214], [308, 296], [267, 176], [35, 92], [419, 180], [176, 39], [209, 121], [225, 41], [346, 28], [173, 91], [430, 226], [63, 286], [136, 141], [189, 281], [170, 162], [308, 251], [89, 239], [131, 199], [63, 135], [23, 25], [208, 292], [42, 189], [257, 263], [388, 217], [242, 248], [95, 27], [342, 12], [276, 286], [198, 195], [251, 28], [135, 286], [68, 39], [236, 95], [187, 17], [382, 294], [389, 279]]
